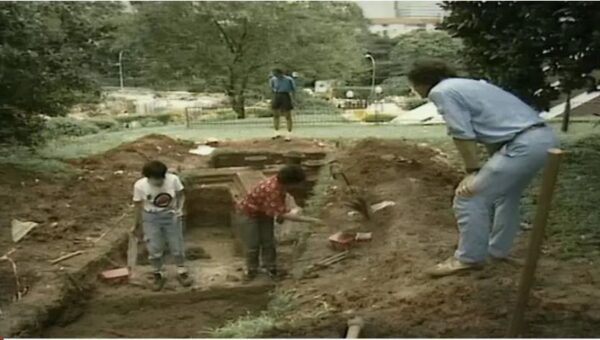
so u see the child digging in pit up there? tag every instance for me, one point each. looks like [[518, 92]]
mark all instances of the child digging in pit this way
[[159, 202], [256, 215]]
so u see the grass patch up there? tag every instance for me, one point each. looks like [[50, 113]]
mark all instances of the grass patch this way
[[575, 218], [31, 161], [255, 326]]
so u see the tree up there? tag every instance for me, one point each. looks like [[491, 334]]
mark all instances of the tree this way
[[235, 44], [534, 49], [425, 44], [50, 54]]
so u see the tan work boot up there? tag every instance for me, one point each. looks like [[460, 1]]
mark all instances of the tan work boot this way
[[450, 267]]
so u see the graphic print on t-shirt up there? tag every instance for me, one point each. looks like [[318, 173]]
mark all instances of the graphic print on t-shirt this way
[[163, 200]]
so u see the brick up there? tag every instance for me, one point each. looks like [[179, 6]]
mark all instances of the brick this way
[[115, 274]]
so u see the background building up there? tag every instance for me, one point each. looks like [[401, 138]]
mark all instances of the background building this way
[[392, 18]]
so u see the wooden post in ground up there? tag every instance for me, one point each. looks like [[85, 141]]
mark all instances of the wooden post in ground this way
[[535, 242]]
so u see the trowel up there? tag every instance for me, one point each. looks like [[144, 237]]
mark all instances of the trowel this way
[[132, 252]]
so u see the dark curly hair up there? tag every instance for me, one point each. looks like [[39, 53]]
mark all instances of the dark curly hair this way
[[154, 169], [429, 72]]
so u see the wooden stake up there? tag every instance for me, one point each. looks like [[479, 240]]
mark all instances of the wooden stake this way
[[66, 257], [535, 242]]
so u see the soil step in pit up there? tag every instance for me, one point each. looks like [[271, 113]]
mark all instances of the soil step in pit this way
[[215, 261], [122, 312]]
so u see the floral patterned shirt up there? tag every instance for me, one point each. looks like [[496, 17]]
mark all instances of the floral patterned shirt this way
[[267, 198]]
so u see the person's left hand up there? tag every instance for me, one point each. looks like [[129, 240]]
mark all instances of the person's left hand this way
[[466, 187]]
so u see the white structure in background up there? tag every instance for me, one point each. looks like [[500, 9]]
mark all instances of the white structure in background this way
[[584, 104], [392, 18], [424, 114], [577, 103], [324, 86]]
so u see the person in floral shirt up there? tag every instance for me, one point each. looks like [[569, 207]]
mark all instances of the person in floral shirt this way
[[257, 212]]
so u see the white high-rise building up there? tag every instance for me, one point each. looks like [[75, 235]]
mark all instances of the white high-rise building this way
[[392, 18]]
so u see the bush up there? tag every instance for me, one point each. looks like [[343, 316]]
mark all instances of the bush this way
[[146, 120], [106, 124], [413, 103], [379, 118], [218, 115], [69, 127], [260, 112], [396, 86]]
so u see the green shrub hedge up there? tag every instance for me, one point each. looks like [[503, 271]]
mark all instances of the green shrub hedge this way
[[413, 103], [69, 127], [379, 118]]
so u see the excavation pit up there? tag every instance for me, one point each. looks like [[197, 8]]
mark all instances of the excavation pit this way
[[214, 258]]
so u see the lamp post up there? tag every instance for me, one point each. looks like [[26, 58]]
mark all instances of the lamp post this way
[[370, 57], [120, 64]]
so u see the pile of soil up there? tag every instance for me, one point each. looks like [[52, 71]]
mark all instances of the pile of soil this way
[[384, 280]]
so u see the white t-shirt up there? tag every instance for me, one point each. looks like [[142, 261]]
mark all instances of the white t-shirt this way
[[157, 198]]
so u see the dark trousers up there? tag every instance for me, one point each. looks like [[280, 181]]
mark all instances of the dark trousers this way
[[258, 235]]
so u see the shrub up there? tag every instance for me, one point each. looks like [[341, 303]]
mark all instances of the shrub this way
[[65, 126], [396, 86], [413, 103], [260, 112], [379, 118], [146, 120], [106, 124]]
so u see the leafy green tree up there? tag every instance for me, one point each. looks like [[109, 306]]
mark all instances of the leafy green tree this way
[[529, 47], [50, 54], [235, 44], [426, 44]]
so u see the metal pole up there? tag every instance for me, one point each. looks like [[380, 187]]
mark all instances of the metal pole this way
[[121, 69], [373, 74], [535, 242]]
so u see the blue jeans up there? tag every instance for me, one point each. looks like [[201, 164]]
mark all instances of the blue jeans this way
[[258, 234], [488, 221], [160, 229]]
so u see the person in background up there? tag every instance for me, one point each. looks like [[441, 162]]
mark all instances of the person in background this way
[[159, 202], [257, 212], [486, 202], [283, 88]]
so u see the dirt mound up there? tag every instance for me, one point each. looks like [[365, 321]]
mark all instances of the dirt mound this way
[[278, 145], [376, 161], [134, 154], [384, 280]]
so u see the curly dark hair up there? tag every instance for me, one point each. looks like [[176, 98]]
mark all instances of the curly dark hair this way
[[154, 169], [430, 72]]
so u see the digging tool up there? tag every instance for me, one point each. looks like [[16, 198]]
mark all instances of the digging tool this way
[[535, 242], [354, 327], [358, 201], [132, 252]]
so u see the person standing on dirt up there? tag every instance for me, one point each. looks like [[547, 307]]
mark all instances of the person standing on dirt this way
[[256, 215], [283, 88], [159, 202], [517, 140]]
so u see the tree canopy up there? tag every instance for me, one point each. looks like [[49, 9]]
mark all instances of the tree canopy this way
[[236, 44], [535, 49], [50, 55]]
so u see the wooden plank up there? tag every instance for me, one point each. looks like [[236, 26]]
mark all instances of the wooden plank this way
[[515, 328]]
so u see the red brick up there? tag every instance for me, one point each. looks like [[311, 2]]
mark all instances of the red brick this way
[[115, 274]]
